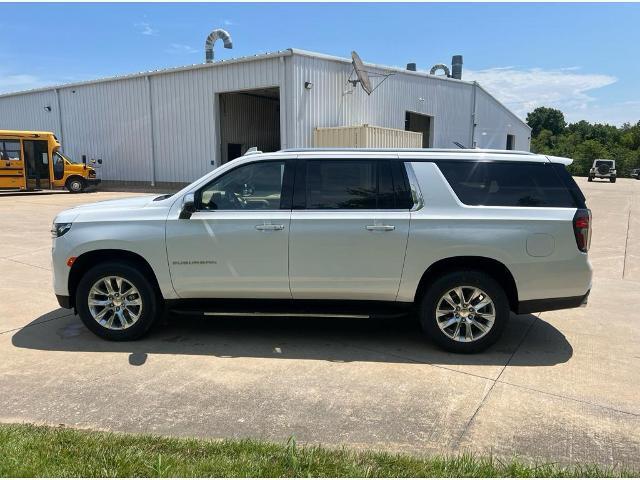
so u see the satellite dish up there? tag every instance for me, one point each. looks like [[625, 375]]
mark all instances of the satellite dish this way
[[361, 73]]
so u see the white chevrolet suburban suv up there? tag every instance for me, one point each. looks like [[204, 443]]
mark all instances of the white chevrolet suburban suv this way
[[459, 237]]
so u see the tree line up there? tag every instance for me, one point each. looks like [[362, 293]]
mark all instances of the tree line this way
[[584, 141]]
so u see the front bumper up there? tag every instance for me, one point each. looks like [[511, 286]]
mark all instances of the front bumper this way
[[92, 182], [548, 304], [64, 301]]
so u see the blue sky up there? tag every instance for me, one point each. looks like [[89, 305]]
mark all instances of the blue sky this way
[[581, 58]]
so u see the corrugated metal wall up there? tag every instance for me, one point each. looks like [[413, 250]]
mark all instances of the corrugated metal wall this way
[[109, 121], [26, 112], [333, 102], [185, 108], [114, 119], [496, 122]]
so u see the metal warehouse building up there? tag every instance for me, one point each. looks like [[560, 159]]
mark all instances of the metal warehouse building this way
[[177, 124]]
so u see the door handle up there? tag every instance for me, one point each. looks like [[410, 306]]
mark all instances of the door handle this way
[[380, 228], [269, 227]]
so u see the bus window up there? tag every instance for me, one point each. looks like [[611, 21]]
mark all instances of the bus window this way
[[10, 150]]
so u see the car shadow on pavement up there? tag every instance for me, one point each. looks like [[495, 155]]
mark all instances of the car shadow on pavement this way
[[528, 340]]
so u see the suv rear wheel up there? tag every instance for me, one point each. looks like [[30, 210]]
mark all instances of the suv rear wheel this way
[[464, 311], [116, 302]]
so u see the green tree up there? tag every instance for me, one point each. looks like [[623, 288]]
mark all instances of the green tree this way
[[585, 154], [584, 141], [543, 142], [544, 118]]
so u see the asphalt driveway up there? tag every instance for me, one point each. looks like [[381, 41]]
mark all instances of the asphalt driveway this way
[[560, 386]]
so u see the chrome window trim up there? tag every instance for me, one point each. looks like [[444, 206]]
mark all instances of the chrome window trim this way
[[416, 194]]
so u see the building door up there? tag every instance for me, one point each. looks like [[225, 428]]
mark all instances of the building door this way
[[511, 142], [416, 122], [36, 164], [348, 229]]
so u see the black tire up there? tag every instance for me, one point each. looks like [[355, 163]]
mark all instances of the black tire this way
[[590, 179], [449, 281], [151, 308], [76, 184], [612, 179]]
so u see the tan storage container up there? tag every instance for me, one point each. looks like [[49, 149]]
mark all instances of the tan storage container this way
[[365, 136]]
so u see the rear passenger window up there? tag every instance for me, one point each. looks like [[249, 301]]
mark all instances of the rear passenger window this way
[[356, 185], [515, 184], [342, 184]]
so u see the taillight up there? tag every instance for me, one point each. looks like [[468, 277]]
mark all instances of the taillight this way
[[582, 228]]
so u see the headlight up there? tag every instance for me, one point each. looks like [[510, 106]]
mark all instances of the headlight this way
[[59, 229]]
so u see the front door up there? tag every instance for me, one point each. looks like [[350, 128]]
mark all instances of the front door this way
[[349, 229], [236, 243], [36, 164]]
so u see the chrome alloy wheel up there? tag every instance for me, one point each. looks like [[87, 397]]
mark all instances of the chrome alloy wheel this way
[[115, 303], [465, 314]]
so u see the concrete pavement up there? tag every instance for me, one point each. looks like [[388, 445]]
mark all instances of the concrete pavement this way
[[561, 386]]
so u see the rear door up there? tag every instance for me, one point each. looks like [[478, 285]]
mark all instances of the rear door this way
[[349, 228]]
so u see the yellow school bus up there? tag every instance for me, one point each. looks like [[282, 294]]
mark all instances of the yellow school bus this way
[[34, 161]]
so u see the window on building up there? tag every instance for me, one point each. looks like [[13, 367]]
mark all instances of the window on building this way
[[511, 142], [508, 184]]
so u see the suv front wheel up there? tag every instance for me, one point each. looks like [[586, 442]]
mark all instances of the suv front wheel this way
[[116, 302], [464, 311]]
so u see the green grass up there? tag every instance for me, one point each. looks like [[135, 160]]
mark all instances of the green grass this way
[[36, 451]]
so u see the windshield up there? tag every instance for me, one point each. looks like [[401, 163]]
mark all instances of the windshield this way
[[66, 157], [604, 162]]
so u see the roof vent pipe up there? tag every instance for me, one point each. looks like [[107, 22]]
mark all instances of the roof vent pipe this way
[[456, 67], [411, 67], [211, 39], [440, 66]]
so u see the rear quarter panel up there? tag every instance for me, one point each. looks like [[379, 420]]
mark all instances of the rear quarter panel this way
[[444, 228]]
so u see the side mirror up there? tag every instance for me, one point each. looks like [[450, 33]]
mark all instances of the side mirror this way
[[99, 161], [188, 206]]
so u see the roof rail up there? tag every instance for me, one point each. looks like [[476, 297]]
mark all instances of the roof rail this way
[[410, 150]]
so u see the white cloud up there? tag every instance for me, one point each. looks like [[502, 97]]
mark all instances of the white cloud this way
[[19, 82], [180, 49], [228, 22], [145, 28], [567, 89]]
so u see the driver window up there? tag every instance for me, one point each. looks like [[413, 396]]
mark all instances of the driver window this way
[[257, 186]]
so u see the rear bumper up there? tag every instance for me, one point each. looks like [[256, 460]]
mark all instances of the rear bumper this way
[[548, 304]]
